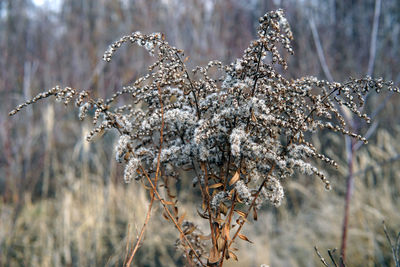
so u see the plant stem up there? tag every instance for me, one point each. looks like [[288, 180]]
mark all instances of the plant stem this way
[[349, 192]]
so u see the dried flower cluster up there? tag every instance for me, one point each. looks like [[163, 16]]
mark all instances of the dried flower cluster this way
[[241, 128]]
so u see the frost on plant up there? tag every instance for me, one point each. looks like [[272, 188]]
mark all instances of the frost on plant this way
[[241, 128]]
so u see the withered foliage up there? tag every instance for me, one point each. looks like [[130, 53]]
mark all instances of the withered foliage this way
[[240, 128]]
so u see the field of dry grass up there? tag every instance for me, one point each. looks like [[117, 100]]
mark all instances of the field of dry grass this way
[[88, 222]]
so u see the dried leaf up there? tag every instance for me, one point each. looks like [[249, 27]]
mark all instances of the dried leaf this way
[[241, 236], [190, 230], [220, 221], [180, 220], [255, 213], [231, 193], [127, 156], [241, 220], [187, 167], [216, 185], [241, 213], [202, 215], [213, 176], [176, 211], [223, 208], [203, 166], [235, 178], [165, 216], [232, 255], [205, 237], [221, 243], [172, 99], [253, 117], [214, 256], [186, 59]]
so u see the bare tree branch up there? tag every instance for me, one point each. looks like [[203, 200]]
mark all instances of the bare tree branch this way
[[374, 37], [320, 50]]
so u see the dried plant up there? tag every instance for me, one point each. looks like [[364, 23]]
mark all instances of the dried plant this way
[[240, 129], [394, 247], [331, 257]]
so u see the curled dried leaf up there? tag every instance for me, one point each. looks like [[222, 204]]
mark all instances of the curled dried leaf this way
[[217, 185], [165, 216], [232, 255], [241, 213], [242, 236], [235, 178]]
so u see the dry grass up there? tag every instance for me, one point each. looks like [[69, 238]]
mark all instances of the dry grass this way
[[86, 223]]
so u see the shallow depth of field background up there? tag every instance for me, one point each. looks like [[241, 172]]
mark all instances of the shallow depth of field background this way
[[63, 201]]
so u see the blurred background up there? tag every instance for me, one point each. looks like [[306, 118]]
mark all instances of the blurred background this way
[[63, 201]]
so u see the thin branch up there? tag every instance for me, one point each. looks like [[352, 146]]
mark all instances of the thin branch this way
[[320, 257], [349, 191], [374, 37], [367, 135], [322, 60], [392, 247], [372, 47], [320, 51], [139, 239], [330, 253]]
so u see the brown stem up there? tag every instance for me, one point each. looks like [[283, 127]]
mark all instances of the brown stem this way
[[127, 246], [155, 182], [139, 239], [169, 214], [228, 221], [207, 199], [349, 192]]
